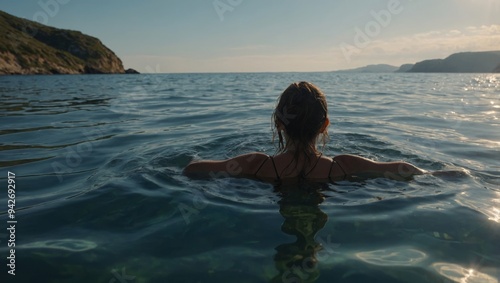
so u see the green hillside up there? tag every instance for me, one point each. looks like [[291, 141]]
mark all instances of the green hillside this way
[[27, 47]]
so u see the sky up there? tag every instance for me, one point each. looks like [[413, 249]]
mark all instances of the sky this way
[[179, 36]]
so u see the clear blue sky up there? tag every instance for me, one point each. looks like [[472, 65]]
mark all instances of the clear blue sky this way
[[278, 35]]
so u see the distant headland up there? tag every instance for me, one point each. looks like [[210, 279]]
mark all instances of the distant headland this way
[[464, 62], [379, 68], [27, 47]]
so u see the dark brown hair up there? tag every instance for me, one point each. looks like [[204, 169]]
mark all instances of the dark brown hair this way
[[301, 112]]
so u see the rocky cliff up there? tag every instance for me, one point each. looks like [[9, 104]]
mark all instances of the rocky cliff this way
[[465, 62], [405, 68], [27, 47], [379, 68]]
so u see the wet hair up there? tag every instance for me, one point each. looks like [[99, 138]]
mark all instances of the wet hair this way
[[301, 110]]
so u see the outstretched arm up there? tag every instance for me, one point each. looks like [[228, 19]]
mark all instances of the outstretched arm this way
[[242, 165], [362, 167]]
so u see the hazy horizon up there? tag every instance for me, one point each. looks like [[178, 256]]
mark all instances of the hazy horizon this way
[[224, 36]]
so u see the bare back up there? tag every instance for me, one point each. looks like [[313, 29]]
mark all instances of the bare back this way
[[284, 166]]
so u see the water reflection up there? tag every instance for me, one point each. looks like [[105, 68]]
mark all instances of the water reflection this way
[[395, 256], [489, 209], [297, 261], [71, 245], [13, 107], [457, 273]]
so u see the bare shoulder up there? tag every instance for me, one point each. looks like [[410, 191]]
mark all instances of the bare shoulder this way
[[355, 165], [244, 164], [350, 162], [248, 161], [351, 158]]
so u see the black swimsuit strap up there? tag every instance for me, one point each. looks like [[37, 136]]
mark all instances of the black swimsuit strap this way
[[262, 164], [274, 166], [275, 170], [345, 174], [321, 154], [331, 167], [317, 161]]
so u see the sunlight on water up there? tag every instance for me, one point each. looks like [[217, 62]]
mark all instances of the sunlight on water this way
[[495, 215], [394, 256], [487, 208], [495, 211], [72, 245], [458, 274]]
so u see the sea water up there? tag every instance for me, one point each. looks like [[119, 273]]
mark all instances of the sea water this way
[[100, 195]]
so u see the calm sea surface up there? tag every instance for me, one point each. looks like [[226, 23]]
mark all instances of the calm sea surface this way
[[99, 194]]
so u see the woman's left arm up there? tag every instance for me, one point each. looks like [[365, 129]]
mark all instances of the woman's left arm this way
[[360, 166]]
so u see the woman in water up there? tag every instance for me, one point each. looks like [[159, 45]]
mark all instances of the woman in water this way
[[300, 120]]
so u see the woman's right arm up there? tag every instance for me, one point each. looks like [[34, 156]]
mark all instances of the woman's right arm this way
[[362, 167], [243, 165]]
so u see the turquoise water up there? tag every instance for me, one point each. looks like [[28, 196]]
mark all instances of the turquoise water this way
[[100, 196]]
